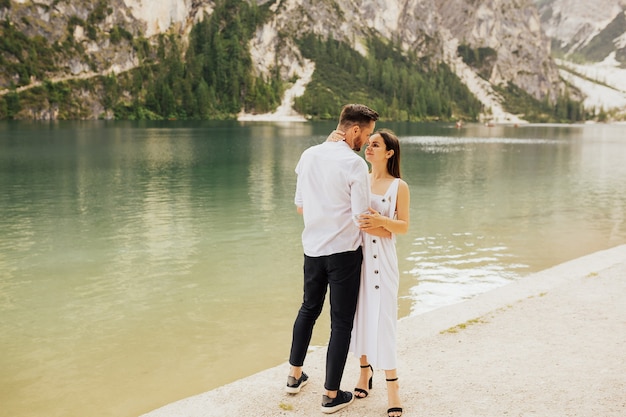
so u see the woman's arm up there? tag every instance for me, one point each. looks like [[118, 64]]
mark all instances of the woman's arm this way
[[401, 224], [378, 231]]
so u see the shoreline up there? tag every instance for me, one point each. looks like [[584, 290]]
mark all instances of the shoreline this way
[[547, 344], [298, 118]]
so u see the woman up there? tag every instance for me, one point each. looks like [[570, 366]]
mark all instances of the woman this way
[[374, 333]]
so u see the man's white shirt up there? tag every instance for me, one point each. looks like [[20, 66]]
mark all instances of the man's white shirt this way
[[332, 188]]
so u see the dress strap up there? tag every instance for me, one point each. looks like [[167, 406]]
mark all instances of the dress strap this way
[[392, 195]]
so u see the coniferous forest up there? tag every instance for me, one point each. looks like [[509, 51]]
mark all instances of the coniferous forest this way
[[389, 80]]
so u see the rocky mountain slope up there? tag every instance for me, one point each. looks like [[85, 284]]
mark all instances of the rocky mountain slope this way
[[430, 28], [109, 37], [590, 39], [591, 29]]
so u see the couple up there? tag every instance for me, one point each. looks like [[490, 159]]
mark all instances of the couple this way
[[350, 220]]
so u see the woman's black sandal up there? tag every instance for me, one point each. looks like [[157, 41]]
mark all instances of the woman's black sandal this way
[[393, 409], [361, 390]]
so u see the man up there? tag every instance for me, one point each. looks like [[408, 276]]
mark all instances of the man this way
[[332, 189]]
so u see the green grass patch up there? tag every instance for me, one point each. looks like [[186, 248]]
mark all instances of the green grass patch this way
[[464, 326]]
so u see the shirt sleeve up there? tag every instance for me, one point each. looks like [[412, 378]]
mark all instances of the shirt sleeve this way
[[360, 189], [298, 197]]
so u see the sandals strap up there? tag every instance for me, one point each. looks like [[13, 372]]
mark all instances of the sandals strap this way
[[391, 380], [365, 366]]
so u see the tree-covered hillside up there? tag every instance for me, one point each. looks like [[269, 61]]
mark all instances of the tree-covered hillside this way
[[399, 87], [210, 75]]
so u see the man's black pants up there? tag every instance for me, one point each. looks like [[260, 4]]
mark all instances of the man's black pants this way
[[341, 273]]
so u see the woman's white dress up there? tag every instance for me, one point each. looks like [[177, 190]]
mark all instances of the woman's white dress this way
[[374, 331]]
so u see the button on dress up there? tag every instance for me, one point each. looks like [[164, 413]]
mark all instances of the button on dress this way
[[375, 321]]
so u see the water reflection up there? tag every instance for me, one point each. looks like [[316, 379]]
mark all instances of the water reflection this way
[[453, 268]]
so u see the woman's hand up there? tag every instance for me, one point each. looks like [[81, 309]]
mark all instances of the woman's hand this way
[[373, 224], [336, 136], [372, 220]]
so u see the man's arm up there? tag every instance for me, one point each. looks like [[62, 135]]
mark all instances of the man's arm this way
[[298, 196], [360, 190]]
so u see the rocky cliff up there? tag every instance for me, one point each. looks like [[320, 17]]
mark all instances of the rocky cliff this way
[[590, 39], [576, 26], [106, 37], [435, 29]]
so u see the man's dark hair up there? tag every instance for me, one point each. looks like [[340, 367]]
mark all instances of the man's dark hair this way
[[358, 114]]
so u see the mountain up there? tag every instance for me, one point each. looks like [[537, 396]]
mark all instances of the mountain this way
[[510, 29], [589, 30], [590, 40], [75, 59]]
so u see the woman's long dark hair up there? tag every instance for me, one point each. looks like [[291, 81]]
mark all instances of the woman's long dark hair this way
[[392, 143]]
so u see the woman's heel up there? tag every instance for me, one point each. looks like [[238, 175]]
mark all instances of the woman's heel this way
[[371, 377], [361, 391], [394, 410]]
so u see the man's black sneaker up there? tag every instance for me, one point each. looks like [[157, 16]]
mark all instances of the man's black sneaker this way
[[332, 405], [295, 385]]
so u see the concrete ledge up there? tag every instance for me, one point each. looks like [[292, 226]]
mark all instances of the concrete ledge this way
[[551, 344]]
